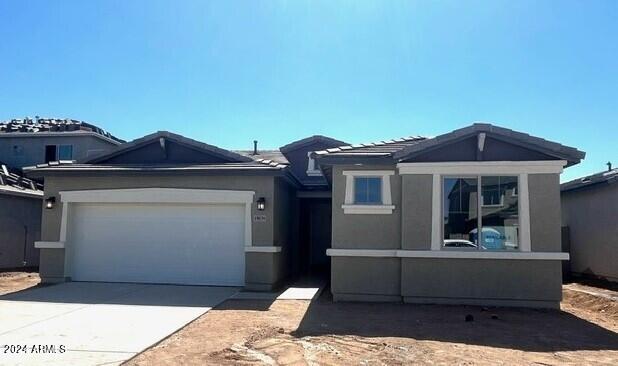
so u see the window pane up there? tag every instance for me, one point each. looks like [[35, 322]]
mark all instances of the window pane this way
[[65, 152], [460, 197], [500, 220], [374, 190], [368, 191]]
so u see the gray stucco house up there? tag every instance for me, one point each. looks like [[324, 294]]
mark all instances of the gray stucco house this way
[[20, 219], [590, 212], [472, 216], [28, 141]]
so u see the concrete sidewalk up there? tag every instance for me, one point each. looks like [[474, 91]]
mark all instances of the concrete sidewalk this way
[[81, 323]]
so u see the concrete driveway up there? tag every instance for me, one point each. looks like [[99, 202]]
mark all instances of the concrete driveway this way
[[83, 323]]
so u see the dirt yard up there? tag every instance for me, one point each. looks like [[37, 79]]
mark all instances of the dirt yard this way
[[17, 281], [289, 332]]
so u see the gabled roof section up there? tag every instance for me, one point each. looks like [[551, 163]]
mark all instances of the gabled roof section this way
[[40, 125], [602, 178], [570, 154], [162, 137], [372, 149], [308, 141]]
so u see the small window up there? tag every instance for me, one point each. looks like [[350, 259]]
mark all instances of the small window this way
[[368, 190], [65, 152]]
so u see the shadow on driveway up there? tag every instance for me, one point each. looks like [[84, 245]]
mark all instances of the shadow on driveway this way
[[123, 294]]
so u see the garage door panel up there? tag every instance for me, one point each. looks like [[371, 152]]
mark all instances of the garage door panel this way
[[157, 243]]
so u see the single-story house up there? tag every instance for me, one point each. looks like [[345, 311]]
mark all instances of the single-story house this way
[[590, 214], [472, 216], [21, 200]]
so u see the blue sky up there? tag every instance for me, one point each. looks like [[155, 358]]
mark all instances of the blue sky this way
[[229, 72]]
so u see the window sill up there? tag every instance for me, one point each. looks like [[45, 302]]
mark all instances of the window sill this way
[[314, 173], [368, 209]]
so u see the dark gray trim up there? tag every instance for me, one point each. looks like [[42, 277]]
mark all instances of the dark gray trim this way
[[190, 143], [310, 140]]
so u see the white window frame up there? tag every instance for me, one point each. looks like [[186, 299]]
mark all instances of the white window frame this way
[[479, 207], [312, 169], [520, 168], [350, 207]]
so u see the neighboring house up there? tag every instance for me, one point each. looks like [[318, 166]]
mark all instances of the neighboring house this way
[[590, 211], [27, 142], [399, 219], [20, 219]]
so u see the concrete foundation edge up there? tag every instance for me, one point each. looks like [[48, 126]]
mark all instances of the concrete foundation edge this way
[[483, 302]]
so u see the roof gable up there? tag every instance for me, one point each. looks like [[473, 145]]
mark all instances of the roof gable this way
[[488, 143], [168, 148], [311, 140], [297, 154]]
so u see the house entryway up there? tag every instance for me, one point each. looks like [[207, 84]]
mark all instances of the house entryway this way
[[315, 235]]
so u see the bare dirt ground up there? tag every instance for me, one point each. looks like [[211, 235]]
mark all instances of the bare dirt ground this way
[[291, 332], [17, 281], [287, 332]]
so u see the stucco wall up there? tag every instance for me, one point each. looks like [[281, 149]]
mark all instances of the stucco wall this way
[[592, 217], [489, 281], [20, 224], [365, 231], [544, 191], [33, 148], [416, 211], [509, 281], [52, 260], [367, 277]]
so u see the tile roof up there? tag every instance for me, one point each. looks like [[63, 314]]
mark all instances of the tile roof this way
[[273, 155], [66, 165], [608, 177], [381, 148], [311, 140], [404, 148], [37, 125], [572, 155], [137, 143], [13, 183]]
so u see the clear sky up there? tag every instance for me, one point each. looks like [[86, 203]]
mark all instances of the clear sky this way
[[229, 72]]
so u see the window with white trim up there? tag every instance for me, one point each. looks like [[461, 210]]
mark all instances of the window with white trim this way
[[464, 197], [368, 192]]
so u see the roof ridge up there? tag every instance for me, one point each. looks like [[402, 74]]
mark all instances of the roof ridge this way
[[372, 144]]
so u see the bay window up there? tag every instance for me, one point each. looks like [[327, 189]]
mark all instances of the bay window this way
[[480, 204]]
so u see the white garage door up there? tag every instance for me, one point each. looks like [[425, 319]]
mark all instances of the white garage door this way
[[198, 244]]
